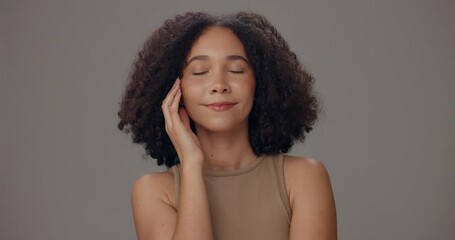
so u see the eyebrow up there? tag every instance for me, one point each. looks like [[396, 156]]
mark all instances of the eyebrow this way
[[206, 58]]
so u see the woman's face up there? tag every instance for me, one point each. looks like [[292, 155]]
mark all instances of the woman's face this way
[[218, 82]]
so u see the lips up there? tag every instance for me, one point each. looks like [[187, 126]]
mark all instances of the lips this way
[[220, 106]]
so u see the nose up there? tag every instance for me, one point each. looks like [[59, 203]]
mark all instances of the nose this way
[[220, 85]]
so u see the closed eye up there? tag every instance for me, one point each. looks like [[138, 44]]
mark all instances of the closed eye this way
[[200, 73], [232, 71]]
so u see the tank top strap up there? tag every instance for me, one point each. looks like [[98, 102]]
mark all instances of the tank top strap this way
[[279, 170]]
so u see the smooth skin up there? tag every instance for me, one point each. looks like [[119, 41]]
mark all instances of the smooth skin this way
[[218, 71]]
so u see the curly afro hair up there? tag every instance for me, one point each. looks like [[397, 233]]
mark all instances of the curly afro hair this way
[[285, 106]]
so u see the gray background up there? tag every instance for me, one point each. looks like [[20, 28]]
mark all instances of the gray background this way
[[384, 70]]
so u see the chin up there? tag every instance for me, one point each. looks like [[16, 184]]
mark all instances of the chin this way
[[220, 125]]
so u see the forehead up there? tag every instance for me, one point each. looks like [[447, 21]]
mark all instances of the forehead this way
[[217, 41]]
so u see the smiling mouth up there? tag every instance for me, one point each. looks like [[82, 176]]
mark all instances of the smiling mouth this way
[[220, 106]]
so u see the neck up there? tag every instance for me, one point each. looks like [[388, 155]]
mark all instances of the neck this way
[[226, 150]]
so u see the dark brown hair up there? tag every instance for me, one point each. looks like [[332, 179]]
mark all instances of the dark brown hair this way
[[285, 106]]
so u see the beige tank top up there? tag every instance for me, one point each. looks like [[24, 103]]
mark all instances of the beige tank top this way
[[247, 204]]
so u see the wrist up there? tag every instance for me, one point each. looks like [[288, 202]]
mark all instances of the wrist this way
[[192, 165]]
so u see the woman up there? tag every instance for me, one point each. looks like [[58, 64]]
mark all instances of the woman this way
[[219, 100]]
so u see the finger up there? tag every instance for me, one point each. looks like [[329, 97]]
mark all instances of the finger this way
[[175, 118], [185, 118], [172, 91], [174, 105], [174, 125], [167, 102]]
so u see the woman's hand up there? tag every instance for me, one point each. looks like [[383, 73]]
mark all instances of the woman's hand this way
[[178, 128]]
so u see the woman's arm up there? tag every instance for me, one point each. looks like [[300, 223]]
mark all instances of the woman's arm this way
[[154, 217], [154, 214], [311, 199], [194, 221], [153, 211]]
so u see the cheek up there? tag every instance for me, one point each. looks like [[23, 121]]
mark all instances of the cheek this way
[[189, 97], [249, 88], [185, 86], [186, 98]]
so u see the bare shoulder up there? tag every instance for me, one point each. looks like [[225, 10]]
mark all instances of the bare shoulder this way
[[153, 205], [304, 175], [154, 185], [303, 167], [311, 199]]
